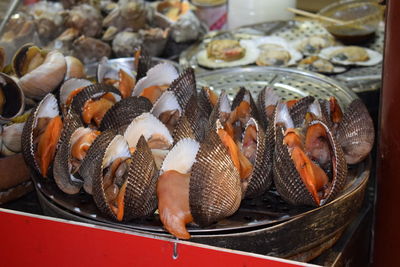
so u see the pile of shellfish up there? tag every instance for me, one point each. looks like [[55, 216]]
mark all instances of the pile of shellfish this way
[[90, 30], [151, 142]]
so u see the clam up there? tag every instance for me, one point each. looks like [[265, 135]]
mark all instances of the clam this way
[[184, 87], [75, 141], [314, 44], [124, 43], [355, 133], [154, 40], [38, 73], [187, 28], [167, 110], [317, 64], [75, 68], [41, 134], [12, 100], [173, 187], [124, 186], [298, 109], [276, 51], [156, 81], [215, 187], [192, 124], [69, 89], [120, 115], [94, 101], [207, 100], [121, 78], [310, 169], [154, 131], [89, 49], [228, 53], [86, 18], [351, 55], [48, 19], [127, 16], [10, 137], [258, 150], [266, 102]]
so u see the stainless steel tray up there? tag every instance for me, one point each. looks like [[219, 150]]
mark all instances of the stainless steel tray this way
[[362, 78], [265, 211]]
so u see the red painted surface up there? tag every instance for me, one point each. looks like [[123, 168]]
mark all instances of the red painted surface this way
[[387, 232], [30, 241]]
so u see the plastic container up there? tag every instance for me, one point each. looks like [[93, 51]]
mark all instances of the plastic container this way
[[248, 12]]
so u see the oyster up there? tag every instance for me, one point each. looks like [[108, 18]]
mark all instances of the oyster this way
[[173, 187], [351, 55], [244, 52], [308, 170], [41, 134], [187, 28]]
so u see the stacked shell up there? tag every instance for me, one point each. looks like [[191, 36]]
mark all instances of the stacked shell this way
[[138, 143]]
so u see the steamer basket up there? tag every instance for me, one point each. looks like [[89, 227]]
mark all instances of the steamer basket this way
[[264, 225]]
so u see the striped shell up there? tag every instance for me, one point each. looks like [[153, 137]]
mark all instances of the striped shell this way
[[215, 188]]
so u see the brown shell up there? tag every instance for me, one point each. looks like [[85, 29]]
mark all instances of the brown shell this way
[[324, 104], [145, 63], [261, 108], [204, 103], [216, 112], [261, 178], [28, 150], [239, 98], [94, 157], [141, 198], [120, 115], [287, 180], [80, 99], [184, 87], [61, 172], [192, 124], [356, 132], [299, 109], [27, 142], [215, 188]]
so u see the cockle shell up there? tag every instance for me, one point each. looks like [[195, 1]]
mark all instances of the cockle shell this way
[[215, 188]]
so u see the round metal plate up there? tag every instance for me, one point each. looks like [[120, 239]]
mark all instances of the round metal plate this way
[[126, 63], [261, 212], [363, 78]]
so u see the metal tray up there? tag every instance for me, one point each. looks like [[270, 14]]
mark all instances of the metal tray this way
[[262, 212], [362, 78]]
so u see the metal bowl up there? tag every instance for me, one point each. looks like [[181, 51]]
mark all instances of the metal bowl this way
[[126, 63], [361, 20]]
